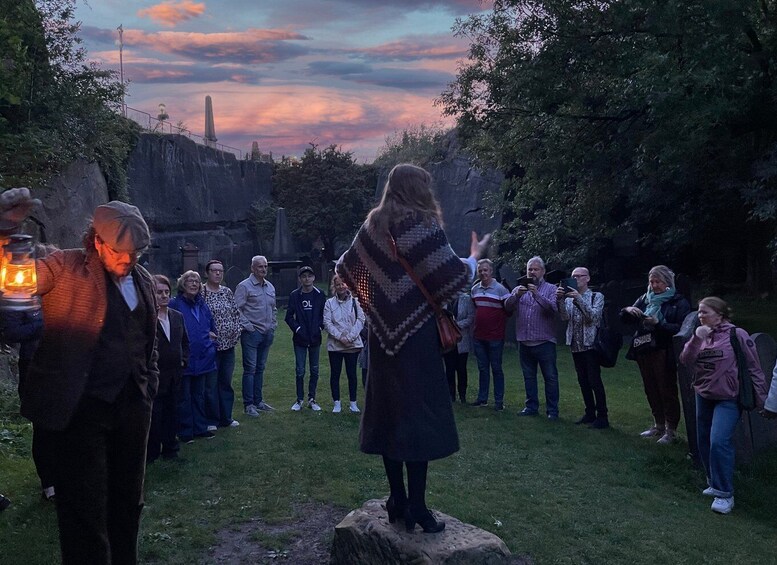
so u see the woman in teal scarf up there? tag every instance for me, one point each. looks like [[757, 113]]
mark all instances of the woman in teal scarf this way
[[659, 313]]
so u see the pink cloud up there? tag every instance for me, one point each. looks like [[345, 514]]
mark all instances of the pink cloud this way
[[414, 48], [171, 13], [285, 119], [250, 46]]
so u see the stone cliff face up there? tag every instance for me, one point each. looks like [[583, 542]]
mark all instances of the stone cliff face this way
[[460, 188], [194, 194], [69, 201]]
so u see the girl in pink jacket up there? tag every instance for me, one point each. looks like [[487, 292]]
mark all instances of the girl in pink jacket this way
[[711, 358]]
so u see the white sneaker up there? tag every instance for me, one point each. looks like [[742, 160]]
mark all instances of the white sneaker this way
[[212, 428], [337, 408], [709, 491], [297, 406], [234, 424], [313, 405], [354, 408], [723, 505]]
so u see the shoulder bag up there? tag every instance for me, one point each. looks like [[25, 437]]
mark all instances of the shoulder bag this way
[[746, 398], [449, 330], [607, 342]]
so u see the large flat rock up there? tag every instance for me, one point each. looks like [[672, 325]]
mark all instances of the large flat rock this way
[[365, 536]]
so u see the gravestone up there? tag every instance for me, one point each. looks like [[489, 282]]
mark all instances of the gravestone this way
[[283, 263]]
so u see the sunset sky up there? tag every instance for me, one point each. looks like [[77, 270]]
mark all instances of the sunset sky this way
[[284, 73]]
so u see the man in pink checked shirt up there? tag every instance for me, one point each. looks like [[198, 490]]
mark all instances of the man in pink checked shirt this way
[[535, 331]]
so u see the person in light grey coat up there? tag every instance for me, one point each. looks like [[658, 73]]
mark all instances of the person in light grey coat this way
[[463, 310]]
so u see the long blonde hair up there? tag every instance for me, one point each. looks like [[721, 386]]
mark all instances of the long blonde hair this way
[[407, 190]]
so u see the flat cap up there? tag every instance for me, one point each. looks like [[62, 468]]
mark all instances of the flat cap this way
[[121, 226]]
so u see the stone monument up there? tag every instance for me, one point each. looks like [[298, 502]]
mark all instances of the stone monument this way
[[210, 128]]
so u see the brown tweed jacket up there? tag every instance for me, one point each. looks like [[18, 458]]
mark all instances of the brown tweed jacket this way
[[72, 285]]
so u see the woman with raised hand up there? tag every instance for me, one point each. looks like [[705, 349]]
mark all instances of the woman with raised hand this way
[[408, 415], [714, 354]]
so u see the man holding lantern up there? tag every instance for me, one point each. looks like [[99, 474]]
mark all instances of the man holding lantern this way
[[91, 383]]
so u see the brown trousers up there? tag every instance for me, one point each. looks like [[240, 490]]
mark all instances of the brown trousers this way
[[659, 377]]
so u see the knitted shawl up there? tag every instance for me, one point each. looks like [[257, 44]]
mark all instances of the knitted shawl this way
[[393, 304]]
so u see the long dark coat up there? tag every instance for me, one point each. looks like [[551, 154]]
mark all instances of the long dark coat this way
[[408, 415]]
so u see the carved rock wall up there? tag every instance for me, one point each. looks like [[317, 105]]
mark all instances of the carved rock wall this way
[[190, 193], [68, 203], [460, 188]]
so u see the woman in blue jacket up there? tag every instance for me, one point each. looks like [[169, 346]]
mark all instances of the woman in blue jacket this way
[[192, 420]]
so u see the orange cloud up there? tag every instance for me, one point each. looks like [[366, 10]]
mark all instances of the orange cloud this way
[[171, 13]]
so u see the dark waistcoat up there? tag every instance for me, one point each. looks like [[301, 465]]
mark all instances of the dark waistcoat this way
[[121, 347]]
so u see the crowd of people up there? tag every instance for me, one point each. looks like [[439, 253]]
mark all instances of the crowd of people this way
[[126, 372]]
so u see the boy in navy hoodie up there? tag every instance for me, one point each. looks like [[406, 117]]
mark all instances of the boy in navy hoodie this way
[[305, 317]]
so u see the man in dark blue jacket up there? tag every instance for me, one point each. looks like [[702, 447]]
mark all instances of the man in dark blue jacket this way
[[305, 317]]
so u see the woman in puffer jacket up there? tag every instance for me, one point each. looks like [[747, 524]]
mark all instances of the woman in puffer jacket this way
[[343, 320], [711, 357]]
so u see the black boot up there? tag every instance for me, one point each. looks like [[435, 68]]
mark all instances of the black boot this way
[[417, 512], [397, 500]]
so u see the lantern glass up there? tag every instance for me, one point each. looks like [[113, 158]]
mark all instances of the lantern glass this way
[[18, 277]]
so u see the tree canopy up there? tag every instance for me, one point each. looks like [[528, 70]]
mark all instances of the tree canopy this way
[[627, 116], [326, 195], [55, 106]]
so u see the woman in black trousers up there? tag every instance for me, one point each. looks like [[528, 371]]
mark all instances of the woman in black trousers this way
[[408, 416]]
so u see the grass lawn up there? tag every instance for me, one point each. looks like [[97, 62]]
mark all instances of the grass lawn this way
[[556, 492]]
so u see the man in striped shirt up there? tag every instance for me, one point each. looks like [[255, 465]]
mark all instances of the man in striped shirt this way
[[535, 331], [489, 333]]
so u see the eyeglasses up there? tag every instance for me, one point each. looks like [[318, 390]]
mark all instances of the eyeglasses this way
[[137, 253]]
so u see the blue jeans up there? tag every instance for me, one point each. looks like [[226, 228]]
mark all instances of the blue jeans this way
[[256, 347], [211, 398], [716, 421], [225, 365], [191, 405], [300, 353], [543, 355], [489, 355]]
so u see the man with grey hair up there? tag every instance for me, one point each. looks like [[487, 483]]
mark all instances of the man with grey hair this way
[[535, 331], [255, 300], [90, 387], [489, 297]]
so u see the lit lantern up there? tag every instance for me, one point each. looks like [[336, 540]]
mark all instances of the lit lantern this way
[[18, 278]]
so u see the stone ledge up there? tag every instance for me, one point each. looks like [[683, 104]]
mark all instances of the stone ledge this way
[[366, 536]]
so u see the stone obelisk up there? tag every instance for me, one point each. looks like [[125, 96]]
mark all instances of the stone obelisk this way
[[210, 128]]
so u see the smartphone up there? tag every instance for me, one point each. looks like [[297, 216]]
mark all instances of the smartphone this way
[[568, 284], [525, 281]]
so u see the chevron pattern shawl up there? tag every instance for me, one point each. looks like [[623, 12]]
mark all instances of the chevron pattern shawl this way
[[394, 305]]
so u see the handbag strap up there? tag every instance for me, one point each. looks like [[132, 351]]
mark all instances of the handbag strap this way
[[411, 273], [737, 347], [603, 318]]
